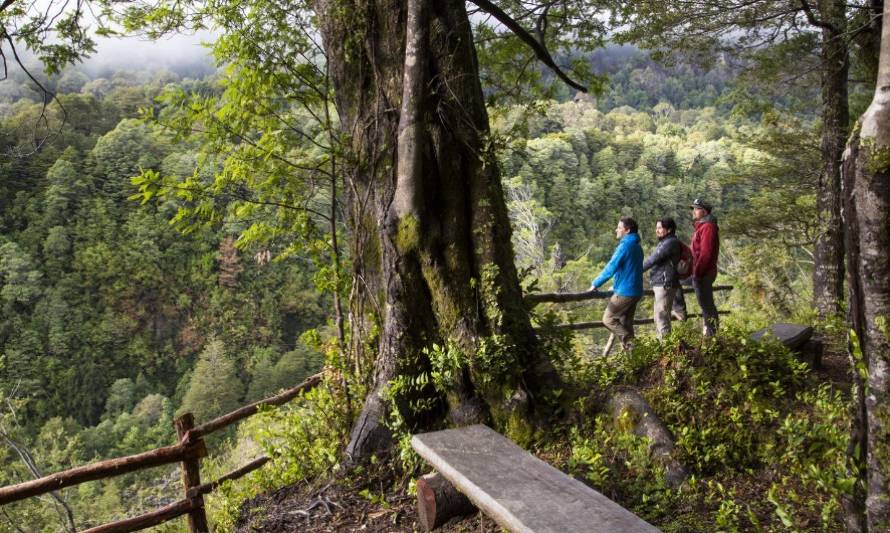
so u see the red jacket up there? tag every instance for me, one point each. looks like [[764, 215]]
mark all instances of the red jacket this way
[[705, 247]]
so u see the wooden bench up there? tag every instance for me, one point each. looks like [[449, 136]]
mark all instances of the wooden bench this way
[[516, 489], [796, 338]]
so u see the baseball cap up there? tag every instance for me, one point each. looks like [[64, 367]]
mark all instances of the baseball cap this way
[[698, 202]]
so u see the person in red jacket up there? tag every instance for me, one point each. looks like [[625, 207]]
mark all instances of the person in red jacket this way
[[705, 249]]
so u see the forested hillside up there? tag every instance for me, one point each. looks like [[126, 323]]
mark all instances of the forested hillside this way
[[192, 241], [112, 319]]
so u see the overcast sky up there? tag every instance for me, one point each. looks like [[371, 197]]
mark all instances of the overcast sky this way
[[131, 53]]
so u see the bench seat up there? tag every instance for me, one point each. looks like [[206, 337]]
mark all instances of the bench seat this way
[[516, 489]]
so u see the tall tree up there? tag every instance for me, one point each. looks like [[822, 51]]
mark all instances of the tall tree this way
[[867, 194], [828, 274], [429, 220]]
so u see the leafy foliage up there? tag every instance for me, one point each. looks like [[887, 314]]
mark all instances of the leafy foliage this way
[[764, 440]]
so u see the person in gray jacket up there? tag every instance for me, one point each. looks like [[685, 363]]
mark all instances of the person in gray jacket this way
[[663, 276]]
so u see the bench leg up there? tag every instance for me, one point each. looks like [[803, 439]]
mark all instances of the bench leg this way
[[811, 353], [438, 501]]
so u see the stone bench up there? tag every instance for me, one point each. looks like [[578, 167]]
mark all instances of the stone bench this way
[[516, 489], [796, 338]]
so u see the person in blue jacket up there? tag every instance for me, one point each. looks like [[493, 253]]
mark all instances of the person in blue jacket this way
[[626, 266]]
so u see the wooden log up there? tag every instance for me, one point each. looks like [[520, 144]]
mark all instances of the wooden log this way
[[562, 297], [100, 470], [251, 409], [647, 424], [235, 474], [159, 516], [438, 502], [191, 478]]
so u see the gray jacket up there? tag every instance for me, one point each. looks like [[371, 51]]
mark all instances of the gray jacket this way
[[663, 262]]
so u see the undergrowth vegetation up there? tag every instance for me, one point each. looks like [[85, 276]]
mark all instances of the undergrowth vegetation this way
[[762, 436], [303, 439]]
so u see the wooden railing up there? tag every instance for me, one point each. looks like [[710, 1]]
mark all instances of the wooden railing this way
[[188, 452], [564, 297]]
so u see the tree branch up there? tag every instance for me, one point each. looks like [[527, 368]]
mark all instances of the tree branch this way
[[11, 521], [48, 96], [28, 459], [808, 11], [539, 48], [5, 4]]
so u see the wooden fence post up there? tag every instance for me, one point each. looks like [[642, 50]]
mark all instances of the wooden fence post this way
[[191, 476]]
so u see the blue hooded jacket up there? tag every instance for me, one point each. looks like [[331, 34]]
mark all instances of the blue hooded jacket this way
[[627, 267]]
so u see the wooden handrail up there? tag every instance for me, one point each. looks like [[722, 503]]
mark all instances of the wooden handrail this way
[[190, 448], [158, 516], [563, 297], [207, 488], [592, 325], [248, 410], [100, 470]]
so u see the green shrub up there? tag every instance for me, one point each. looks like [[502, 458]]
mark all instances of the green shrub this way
[[764, 441], [303, 438]]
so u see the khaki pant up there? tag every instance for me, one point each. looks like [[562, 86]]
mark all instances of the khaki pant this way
[[664, 301], [619, 318]]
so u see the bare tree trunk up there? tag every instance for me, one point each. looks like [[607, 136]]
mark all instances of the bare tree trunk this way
[[868, 166], [828, 275], [857, 446], [430, 230]]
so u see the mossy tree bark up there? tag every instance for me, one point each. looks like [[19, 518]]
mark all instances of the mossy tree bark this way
[[828, 276], [430, 233], [867, 181]]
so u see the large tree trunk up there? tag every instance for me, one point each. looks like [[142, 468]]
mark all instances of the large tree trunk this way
[[828, 275], [431, 237], [857, 447], [867, 179]]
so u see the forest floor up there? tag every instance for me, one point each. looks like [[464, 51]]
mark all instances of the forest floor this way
[[374, 502], [377, 501]]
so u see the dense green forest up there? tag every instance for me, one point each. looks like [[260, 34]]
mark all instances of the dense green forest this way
[[198, 239], [114, 320]]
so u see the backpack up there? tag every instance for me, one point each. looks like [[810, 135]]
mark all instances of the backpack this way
[[684, 264]]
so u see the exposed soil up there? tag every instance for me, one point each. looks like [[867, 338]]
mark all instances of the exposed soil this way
[[368, 503]]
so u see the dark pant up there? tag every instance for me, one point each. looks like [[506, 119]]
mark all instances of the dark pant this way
[[678, 309], [704, 292]]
